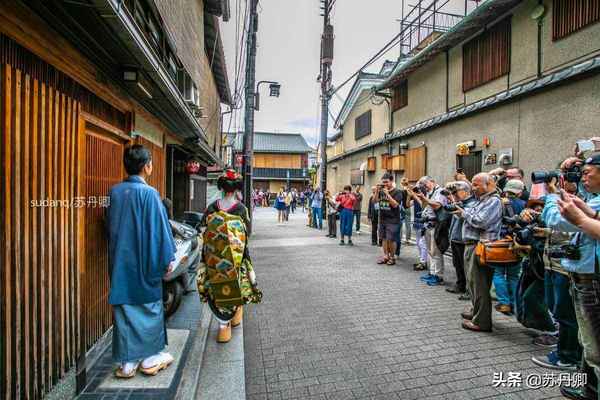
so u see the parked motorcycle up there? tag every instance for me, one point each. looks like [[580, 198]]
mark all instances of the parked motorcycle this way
[[182, 277]]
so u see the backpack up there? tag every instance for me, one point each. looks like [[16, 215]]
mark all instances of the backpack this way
[[225, 271]]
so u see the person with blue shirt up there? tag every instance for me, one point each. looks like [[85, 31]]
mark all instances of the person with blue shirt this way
[[506, 276], [584, 270], [141, 249], [316, 203]]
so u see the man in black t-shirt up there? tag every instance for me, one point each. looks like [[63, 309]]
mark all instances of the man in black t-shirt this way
[[390, 203]]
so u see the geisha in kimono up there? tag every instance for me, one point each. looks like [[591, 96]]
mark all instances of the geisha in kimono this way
[[141, 248], [226, 279]]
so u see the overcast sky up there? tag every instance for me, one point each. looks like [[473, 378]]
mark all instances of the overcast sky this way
[[288, 52]]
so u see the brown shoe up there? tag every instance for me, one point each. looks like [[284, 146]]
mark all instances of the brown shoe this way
[[237, 317], [504, 309], [470, 326], [224, 334], [467, 315]]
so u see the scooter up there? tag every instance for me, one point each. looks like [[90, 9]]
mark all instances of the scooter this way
[[181, 278]]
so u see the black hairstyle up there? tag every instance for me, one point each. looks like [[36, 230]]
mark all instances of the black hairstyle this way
[[348, 187], [135, 158], [229, 185], [388, 175], [168, 206]]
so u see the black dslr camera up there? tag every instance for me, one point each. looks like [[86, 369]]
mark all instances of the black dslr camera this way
[[573, 175], [568, 251]]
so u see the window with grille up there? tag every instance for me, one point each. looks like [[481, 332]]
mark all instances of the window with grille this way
[[400, 96], [569, 16], [362, 125], [487, 56]]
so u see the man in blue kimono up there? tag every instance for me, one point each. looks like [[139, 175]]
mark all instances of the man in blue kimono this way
[[141, 248]]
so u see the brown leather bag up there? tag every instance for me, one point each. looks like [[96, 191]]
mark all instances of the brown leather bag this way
[[497, 252]]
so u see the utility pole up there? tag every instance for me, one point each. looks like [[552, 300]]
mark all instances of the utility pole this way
[[326, 61], [249, 112]]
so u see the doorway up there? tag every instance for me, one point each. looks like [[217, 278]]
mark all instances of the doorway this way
[[471, 164]]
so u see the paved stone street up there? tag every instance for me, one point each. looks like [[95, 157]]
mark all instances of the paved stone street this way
[[335, 325]]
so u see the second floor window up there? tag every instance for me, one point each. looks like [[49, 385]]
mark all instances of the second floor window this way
[[400, 96], [487, 56], [569, 16], [362, 125]]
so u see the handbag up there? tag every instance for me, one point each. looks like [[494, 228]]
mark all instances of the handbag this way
[[497, 252]]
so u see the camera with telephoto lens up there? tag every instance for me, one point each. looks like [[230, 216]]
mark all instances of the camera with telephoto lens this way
[[451, 208], [572, 174], [568, 251]]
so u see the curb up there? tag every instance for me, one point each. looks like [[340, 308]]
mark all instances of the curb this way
[[190, 377]]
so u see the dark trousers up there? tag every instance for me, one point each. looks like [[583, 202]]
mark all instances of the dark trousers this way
[[357, 218], [560, 303], [586, 298], [332, 224], [458, 259], [374, 229]]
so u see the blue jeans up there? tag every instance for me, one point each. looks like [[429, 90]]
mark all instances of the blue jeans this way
[[506, 281], [346, 217], [317, 217], [560, 303]]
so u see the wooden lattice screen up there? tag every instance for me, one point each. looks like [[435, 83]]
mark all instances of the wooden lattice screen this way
[[569, 16], [158, 177], [38, 245], [487, 56]]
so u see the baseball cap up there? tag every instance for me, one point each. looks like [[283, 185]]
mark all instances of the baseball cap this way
[[594, 159], [514, 186]]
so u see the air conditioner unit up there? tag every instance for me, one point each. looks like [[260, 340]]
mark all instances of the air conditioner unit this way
[[188, 88]]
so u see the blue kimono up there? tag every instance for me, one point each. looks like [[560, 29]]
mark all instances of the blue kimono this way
[[141, 247]]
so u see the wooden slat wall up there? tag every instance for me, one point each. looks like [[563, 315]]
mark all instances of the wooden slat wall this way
[[569, 16], [415, 163], [487, 57], [103, 169], [266, 160], [400, 95], [158, 177], [38, 278]]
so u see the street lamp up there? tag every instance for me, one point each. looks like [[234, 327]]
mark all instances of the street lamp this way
[[274, 90]]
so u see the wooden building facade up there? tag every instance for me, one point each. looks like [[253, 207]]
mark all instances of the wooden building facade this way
[[66, 118]]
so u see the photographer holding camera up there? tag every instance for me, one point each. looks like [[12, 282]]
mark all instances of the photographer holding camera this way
[[463, 197], [584, 272], [482, 222], [431, 202], [390, 201]]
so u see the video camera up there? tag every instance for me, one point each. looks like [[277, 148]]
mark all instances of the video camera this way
[[523, 231], [573, 175]]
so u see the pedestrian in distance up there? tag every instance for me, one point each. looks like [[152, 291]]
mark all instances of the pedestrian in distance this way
[[280, 206], [332, 214], [141, 249], [288, 204], [390, 201], [346, 199], [356, 211], [316, 205], [373, 217], [407, 213]]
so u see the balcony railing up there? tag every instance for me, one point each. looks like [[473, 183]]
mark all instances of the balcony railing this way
[[280, 173]]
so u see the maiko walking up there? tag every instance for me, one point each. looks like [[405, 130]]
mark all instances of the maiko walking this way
[[141, 249]]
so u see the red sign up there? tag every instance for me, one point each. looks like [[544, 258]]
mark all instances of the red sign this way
[[192, 167]]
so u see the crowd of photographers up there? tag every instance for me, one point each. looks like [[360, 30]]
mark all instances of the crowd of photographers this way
[[537, 251]]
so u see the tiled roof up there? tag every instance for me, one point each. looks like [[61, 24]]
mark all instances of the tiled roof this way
[[271, 142]]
